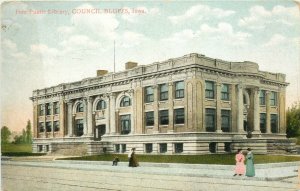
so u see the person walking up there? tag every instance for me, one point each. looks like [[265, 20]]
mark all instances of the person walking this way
[[240, 166], [132, 160], [250, 170]]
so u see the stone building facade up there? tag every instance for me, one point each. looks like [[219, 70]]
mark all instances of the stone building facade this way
[[187, 105]]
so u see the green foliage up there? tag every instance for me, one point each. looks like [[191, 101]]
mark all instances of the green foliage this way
[[5, 135], [26, 137], [16, 148], [224, 159], [293, 121]]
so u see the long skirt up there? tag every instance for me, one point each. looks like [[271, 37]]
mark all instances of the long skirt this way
[[250, 170], [239, 168]]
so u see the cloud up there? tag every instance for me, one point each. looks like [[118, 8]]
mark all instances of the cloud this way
[[131, 39], [180, 37], [278, 40], [200, 12], [103, 25], [136, 17], [259, 17]]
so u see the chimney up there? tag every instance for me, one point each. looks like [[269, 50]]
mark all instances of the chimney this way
[[130, 65], [101, 72]]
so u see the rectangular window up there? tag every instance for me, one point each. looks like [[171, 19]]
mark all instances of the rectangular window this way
[[56, 108], [150, 118], [179, 89], [41, 110], [225, 126], [274, 123], [48, 109], [225, 92], [178, 147], [56, 125], [117, 148], [209, 89], [40, 148], [123, 148], [163, 89], [164, 117], [273, 98], [263, 128], [179, 116], [48, 126], [41, 127], [210, 116], [262, 97], [163, 147], [125, 124], [79, 127], [149, 147], [149, 94]]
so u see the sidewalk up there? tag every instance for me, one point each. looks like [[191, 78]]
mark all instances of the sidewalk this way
[[271, 171]]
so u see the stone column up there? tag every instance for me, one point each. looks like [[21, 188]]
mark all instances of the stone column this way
[[218, 109], [112, 113], [268, 115], [132, 116], [85, 112], [171, 107], [62, 117], [35, 119], [155, 109], [45, 117], [107, 116], [256, 128], [89, 116], [70, 119], [240, 109], [52, 118]]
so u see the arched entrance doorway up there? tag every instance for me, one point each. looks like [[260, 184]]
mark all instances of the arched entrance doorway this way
[[99, 131]]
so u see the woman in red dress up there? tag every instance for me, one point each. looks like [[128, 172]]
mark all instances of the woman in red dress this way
[[240, 166]]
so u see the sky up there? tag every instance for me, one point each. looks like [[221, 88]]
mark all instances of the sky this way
[[44, 44]]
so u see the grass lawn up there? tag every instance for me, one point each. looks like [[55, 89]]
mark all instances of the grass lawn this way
[[225, 159], [18, 150]]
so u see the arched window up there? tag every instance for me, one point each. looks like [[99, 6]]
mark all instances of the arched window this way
[[125, 101], [101, 105], [79, 107]]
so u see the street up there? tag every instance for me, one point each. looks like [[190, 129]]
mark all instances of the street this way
[[51, 176]]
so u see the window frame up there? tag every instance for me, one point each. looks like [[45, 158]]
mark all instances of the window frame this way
[[227, 115], [56, 108], [125, 101], [209, 92], [163, 147], [262, 97], [79, 125], [179, 121], [263, 122], [178, 147], [225, 94], [273, 98], [163, 94], [124, 121], [164, 117], [56, 126], [41, 109], [274, 125], [149, 94], [48, 126], [41, 127], [149, 120], [213, 115], [101, 104], [179, 91], [48, 109], [79, 108], [148, 147]]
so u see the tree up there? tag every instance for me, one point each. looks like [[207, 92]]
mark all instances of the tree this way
[[293, 120], [5, 135], [28, 132]]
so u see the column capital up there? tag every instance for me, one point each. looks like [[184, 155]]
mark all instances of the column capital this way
[[170, 83], [69, 102], [240, 86]]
